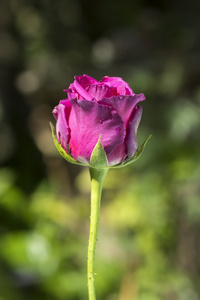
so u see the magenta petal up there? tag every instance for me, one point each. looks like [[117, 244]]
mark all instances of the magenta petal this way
[[81, 91], [131, 139], [124, 105], [61, 114], [118, 155], [85, 80], [88, 120], [68, 107], [71, 93], [99, 91], [78, 88], [122, 87]]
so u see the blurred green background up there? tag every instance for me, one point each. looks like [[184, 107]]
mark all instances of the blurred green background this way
[[149, 237]]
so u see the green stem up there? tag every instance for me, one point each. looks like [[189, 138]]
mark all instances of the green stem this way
[[97, 178]]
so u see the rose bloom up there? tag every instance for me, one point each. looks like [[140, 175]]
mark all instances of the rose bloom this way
[[108, 109]]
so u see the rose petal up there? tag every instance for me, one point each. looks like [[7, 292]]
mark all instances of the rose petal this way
[[81, 91], [122, 87], [124, 105], [85, 80], [118, 155], [68, 107], [78, 88], [99, 91], [88, 120], [71, 93], [61, 113], [131, 139]]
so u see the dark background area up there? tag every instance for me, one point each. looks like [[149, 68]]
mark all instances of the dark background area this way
[[149, 237]]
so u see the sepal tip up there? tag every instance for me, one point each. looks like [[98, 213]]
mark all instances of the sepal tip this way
[[98, 157], [137, 154]]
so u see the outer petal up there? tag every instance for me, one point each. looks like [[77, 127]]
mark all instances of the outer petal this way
[[124, 105], [118, 155], [122, 87], [61, 113], [131, 139], [68, 107], [87, 121]]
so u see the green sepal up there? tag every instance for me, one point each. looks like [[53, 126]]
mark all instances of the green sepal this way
[[98, 157], [64, 154], [137, 154]]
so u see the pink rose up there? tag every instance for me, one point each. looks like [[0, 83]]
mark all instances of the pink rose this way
[[106, 108]]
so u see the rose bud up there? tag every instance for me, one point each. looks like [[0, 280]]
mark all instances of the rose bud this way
[[99, 118]]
